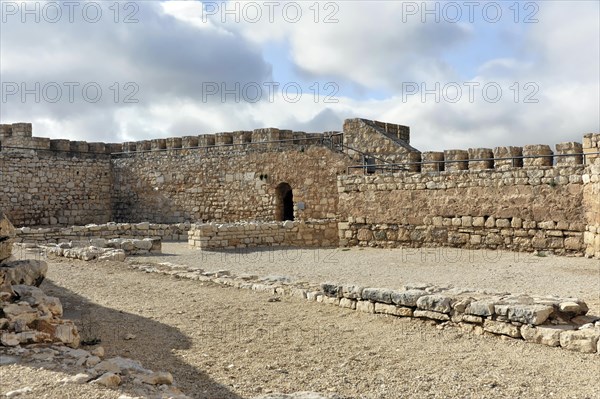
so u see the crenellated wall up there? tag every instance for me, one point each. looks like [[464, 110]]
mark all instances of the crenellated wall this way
[[514, 200], [521, 198], [172, 187]]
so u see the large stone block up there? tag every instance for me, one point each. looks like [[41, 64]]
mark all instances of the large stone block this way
[[569, 148], [433, 161], [454, 160], [508, 157], [7, 232], [27, 272], [540, 155], [585, 341], [481, 158]]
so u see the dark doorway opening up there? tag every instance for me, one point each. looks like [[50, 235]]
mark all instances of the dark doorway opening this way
[[285, 203]]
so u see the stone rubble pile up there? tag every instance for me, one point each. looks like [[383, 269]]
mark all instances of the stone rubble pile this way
[[30, 317], [548, 320], [90, 367], [116, 249], [27, 315]]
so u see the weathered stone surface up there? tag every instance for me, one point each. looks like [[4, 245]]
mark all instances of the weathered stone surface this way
[[527, 314], [365, 306], [28, 272], [472, 319], [428, 314], [347, 303], [7, 232], [393, 310], [109, 380], [35, 296], [498, 327], [408, 297], [436, 303], [483, 308], [331, 289], [157, 378], [382, 295], [352, 291], [585, 341], [576, 308], [545, 335]]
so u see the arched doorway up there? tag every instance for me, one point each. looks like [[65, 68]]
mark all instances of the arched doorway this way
[[284, 203]]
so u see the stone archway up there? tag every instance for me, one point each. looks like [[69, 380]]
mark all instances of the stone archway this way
[[284, 209]]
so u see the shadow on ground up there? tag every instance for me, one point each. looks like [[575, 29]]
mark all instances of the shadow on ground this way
[[154, 345]]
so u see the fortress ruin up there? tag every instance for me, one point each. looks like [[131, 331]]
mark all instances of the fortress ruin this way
[[363, 186]]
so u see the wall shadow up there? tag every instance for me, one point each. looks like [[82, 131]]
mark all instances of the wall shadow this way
[[154, 344]]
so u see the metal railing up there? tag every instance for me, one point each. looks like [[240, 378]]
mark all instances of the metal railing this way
[[405, 166]]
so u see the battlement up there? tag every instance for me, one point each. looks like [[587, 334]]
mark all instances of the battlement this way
[[18, 136]]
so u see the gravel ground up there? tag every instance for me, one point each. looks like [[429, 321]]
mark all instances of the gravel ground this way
[[503, 271], [223, 343]]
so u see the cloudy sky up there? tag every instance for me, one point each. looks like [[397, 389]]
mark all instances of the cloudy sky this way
[[460, 74]]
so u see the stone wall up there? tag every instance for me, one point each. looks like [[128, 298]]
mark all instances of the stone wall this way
[[591, 194], [54, 235], [48, 188], [383, 142], [314, 233], [521, 209], [227, 185]]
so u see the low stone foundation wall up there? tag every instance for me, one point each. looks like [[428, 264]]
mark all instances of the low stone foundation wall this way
[[166, 232], [318, 233], [547, 320], [469, 232]]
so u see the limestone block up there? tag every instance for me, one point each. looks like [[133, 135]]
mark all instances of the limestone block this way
[[433, 161], [365, 306], [331, 290], [585, 341], [428, 314], [436, 303], [545, 335], [453, 160], [508, 157], [481, 308], [347, 303], [393, 310], [481, 158], [566, 149], [407, 297], [28, 272], [498, 327], [352, 291], [381, 295], [527, 314], [543, 154], [7, 233]]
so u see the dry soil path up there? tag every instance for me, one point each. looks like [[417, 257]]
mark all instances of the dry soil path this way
[[224, 343]]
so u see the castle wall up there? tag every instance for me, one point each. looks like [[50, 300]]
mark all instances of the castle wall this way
[[47, 188], [499, 203], [225, 184]]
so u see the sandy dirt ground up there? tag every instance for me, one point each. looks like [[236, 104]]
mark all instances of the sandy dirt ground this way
[[498, 271], [220, 342]]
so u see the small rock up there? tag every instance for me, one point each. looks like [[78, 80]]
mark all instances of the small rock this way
[[9, 339], [80, 378], [109, 380], [17, 392], [99, 351], [274, 299], [130, 337], [158, 378]]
